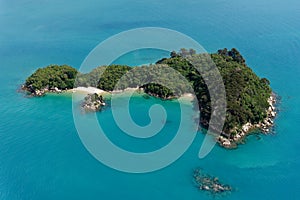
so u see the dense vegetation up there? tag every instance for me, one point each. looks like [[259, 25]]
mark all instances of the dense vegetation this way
[[246, 93], [104, 77], [120, 77], [61, 77]]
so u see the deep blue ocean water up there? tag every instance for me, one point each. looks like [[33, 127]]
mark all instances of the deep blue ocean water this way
[[41, 155]]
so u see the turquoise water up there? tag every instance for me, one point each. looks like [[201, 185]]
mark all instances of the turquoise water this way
[[41, 155]]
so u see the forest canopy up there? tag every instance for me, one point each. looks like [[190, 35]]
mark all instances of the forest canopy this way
[[62, 77]]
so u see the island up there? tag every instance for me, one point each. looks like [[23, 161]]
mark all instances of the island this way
[[250, 99], [93, 102]]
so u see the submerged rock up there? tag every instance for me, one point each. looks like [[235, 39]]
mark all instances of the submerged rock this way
[[210, 184]]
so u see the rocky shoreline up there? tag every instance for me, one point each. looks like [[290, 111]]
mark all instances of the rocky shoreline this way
[[42, 92], [264, 126], [92, 102]]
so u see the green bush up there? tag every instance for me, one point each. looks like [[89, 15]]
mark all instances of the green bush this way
[[62, 77]]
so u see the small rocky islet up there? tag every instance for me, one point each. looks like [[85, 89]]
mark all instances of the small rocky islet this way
[[212, 185], [93, 102]]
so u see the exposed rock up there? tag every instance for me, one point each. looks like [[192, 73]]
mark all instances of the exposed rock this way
[[224, 141], [205, 187], [57, 90], [93, 102], [237, 137], [247, 127], [40, 92], [273, 114], [263, 126]]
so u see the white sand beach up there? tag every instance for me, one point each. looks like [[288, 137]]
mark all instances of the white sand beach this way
[[88, 90]]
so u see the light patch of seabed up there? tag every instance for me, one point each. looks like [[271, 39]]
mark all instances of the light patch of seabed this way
[[245, 158]]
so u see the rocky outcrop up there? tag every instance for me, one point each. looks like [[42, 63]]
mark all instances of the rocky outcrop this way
[[40, 92], [34, 92], [264, 126], [225, 142], [93, 102]]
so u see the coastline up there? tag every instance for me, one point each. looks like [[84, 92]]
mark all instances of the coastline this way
[[82, 90], [186, 97], [129, 89], [248, 128], [87, 90]]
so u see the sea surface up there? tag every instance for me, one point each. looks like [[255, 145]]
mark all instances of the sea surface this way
[[41, 155]]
